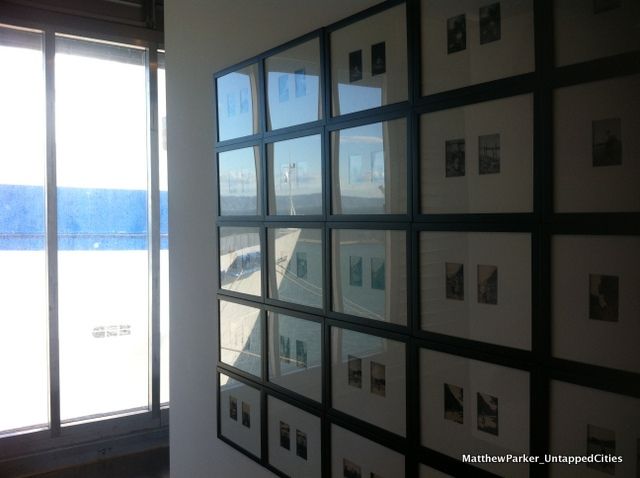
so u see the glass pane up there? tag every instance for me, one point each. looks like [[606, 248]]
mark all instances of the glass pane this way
[[101, 127], [240, 416], [370, 274], [293, 86], [369, 62], [237, 95], [240, 260], [164, 232], [24, 361], [295, 179], [241, 337], [370, 169], [295, 265], [368, 378], [238, 179], [295, 354]]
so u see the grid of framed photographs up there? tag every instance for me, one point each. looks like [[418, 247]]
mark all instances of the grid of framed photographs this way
[[428, 238]]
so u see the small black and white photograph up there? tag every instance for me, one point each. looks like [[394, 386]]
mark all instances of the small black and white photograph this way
[[285, 349], [285, 436], [488, 413], [355, 371], [355, 66], [300, 79], [378, 379], [355, 271], [454, 158], [301, 444], [607, 142], [283, 88], [301, 354], [601, 441], [377, 273], [453, 403], [233, 408], [378, 59], [487, 284], [350, 469], [490, 23], [456, 34], [603, 297], [601, 6], [246, 414], [489, 154], [301, 265], [455, 281]]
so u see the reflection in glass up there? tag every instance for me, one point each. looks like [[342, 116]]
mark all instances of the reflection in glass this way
[[295, 354], [293, 86], [240, 414], [103, 259], [369, 62], [369, 274], [240, 260], [295, 265], [24, 356], [241, 337], [237, 103], [238, 179], [295, 178], [370, 169], [368, 378]]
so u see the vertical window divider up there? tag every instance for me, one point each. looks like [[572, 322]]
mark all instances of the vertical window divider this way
[[153, 225], [51, 233]]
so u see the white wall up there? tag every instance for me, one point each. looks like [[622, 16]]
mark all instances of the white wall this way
[[201, 38]]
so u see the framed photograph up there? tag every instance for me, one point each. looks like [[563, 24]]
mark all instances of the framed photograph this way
[[368, 378], [239, 180], [596, 149], [477, 286], [237, 103], [369, 62], [296, 265], [579, 28], [365, 178], [355, 456], [240, 259], [241, 337], [604, 423], [500, 180], [369, 275], [468, 42], [484, 408], [594, 286], [294, 439], [456, 34], [295, 176], [242, 424], [294, 93], [298, 369]]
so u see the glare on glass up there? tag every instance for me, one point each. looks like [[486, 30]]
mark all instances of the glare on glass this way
[[369, 62], [24, 367], [103, 265], [293, 86], [369, 165], [237, 100], [295, 354], [240, 260], [238, 179], [295, 176], [369, 274], [241, 337], [295, 265]]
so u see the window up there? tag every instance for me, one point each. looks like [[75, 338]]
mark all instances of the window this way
[[83, 237]]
